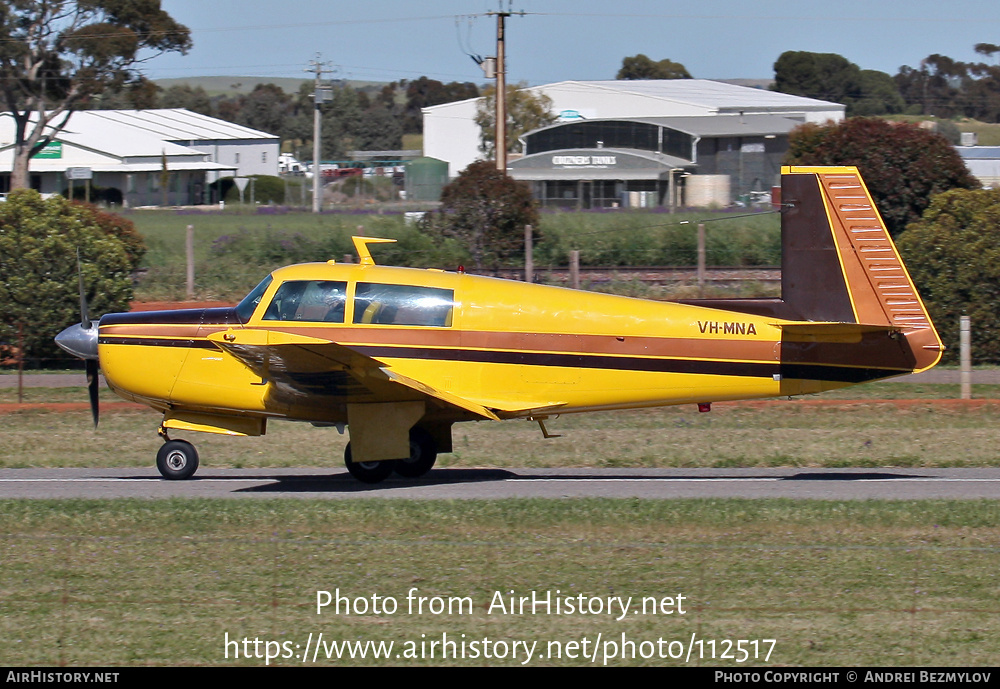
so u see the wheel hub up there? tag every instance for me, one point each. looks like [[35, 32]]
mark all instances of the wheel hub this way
[[176, 460]]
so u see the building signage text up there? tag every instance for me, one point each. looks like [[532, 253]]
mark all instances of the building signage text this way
[[584, 161], [52, 150]]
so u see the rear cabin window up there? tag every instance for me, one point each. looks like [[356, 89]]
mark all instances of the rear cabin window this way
[[403, 305], [318, 301]]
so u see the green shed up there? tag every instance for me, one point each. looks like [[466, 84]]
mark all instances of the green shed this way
[[425, 178]]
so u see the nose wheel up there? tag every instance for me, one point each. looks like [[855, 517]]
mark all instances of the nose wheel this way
[[177, 460]]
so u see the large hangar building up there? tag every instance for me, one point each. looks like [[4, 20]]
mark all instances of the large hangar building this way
[[126, 152], [648, 143]]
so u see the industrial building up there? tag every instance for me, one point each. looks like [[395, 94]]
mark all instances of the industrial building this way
[[131, 154], [649, 143]]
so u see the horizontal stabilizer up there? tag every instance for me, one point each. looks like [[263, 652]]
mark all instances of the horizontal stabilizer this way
[[830, 332]]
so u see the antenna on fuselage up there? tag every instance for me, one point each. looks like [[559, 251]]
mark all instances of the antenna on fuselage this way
[[361, 246]]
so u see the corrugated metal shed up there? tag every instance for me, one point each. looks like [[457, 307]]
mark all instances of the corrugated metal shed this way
[[176, 124]]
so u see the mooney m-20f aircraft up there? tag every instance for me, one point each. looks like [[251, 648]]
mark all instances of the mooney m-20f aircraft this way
[[399, 355]]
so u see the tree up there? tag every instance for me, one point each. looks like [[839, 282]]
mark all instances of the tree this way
[[935, 88], [948, 88], [183, 96], [954, 259], [486, 210], [138, 95], [526, 111], [641, 67], [832, 77], [903, 164], [38, 270], [879, 95], [56, 54], [826, 76], [266, 108], [423, 93]]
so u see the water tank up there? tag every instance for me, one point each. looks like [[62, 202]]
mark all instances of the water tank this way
[[425, 178], [703, 191]]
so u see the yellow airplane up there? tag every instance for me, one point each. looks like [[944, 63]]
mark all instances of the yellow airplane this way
[[399, 355]]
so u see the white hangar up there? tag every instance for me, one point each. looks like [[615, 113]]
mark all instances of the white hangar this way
[[705, 117], [127, 150]]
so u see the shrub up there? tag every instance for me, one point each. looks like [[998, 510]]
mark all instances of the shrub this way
[[954, 259], [485, 210], [902, 164], [266, 189], [39, 287]]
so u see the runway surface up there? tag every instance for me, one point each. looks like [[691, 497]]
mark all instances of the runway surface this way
[[829, 484]]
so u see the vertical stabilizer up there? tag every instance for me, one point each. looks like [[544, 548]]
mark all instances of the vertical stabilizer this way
[[873, 286], [839, 266], [839, 263]]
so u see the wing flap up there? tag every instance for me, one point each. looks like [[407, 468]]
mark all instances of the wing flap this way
[[451, 399], [306, 364]]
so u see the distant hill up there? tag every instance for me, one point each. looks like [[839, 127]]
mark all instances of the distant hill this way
[[230, 86]]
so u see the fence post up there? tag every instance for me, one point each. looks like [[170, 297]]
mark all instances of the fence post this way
[[965, 356], [529, 258], [20, 363], [701, 259], [189, 251], [574, 268]]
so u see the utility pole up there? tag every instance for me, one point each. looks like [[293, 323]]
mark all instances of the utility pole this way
[[320, 96], [500, 69], [501, 115]]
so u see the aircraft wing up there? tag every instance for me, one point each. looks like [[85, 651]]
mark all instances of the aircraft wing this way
[[304, 369]]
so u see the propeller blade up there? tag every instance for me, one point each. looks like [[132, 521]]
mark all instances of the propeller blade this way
[[84, 316], [93, 382]]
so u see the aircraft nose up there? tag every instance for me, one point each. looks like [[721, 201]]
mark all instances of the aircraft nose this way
[[79, 341]]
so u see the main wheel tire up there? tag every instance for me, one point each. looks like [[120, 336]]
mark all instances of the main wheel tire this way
[[177, 460], [423, 454], [367, 472]]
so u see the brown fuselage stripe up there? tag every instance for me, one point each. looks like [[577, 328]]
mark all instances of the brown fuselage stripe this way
[[849, 374], [652, 365], [874, 350], [158, 342], [453, 339]]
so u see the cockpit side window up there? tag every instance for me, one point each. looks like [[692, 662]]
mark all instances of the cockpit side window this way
[[403, 305], [317, 301], [245, 309]]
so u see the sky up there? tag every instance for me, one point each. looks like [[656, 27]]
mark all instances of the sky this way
[[556, 40]]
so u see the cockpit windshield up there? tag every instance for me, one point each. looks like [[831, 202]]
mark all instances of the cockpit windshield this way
[[245, 309]]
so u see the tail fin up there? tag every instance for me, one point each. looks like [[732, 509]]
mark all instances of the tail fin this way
[[839, 264], [838, 261]]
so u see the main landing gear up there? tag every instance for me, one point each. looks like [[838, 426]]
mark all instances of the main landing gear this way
[[177, 460], [423, 454]]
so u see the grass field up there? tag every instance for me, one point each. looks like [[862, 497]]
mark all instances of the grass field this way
[[858, 584], [250, 244], [832, 584], [860, 427]]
